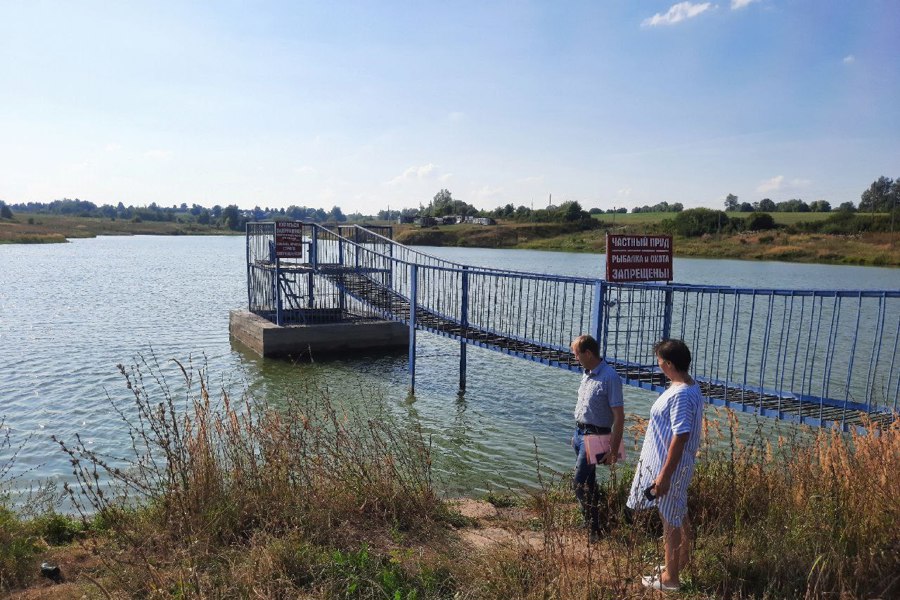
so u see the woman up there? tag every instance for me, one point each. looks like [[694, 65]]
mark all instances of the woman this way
[[667, 459]]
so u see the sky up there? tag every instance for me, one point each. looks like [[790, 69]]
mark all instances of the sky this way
[[381, 104]]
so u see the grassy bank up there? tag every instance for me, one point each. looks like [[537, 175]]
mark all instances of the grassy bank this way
[[304, 500], [875, 249], [45, 228]]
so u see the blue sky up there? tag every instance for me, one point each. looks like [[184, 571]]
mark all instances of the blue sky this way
[[374, 104]]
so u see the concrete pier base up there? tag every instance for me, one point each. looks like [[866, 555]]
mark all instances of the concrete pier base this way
[[269, 340]]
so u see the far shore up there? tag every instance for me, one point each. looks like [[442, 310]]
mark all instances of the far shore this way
[[867, 249], [57, 229]]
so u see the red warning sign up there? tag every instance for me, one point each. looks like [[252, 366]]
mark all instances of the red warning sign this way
[[638, 258], [288, 239]]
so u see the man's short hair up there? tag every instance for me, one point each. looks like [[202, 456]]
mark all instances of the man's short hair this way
[[586, 343], [674, 351]]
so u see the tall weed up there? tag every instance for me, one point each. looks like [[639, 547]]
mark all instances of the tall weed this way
[[206, 474]]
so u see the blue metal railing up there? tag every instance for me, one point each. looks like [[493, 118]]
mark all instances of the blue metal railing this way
[[831, 353]]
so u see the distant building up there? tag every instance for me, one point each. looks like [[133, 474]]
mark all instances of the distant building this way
[[425, 221], [405, 219]]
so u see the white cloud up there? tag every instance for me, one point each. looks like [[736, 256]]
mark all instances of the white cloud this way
[[113, 147], [532, 180], [488, 194], [778, 183], [456, 116], [770, 185], [81, 167], [739, 4], [849, 59], [157, 154], [677, 13], [624, 193], [423, 173], [304, 170]]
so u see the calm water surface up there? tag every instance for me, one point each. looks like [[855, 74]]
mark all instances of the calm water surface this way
[[69, 313]]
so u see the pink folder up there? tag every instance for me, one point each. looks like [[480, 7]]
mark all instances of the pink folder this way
[[595, 446]]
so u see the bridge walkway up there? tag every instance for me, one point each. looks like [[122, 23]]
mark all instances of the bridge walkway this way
[[819, 357], [396, 307]]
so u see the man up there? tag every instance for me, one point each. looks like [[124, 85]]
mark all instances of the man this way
[[600, 411]]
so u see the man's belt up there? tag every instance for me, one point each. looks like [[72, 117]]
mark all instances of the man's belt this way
[[592, 429]]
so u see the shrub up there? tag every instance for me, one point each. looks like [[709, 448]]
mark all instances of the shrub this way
[[843, 222], [759, 221], [696, 222], [57, 529], [18, 544], [18, 549]]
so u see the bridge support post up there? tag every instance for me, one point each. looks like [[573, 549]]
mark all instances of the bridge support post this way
[[249, 270], [667, 316], [464, 323], [342, 296], [462, 367], [413, 276], [279, 315], [597, 315], [390, 269], [314, 263]]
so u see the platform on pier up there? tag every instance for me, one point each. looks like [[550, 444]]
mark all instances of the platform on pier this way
[[270, 340]]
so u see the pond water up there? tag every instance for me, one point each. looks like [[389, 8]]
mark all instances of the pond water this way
[[70, 313]]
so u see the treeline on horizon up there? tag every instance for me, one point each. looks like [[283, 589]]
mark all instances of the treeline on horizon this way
[[880, 197]]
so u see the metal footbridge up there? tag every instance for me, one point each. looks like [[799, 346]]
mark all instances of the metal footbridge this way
[[818, 357]]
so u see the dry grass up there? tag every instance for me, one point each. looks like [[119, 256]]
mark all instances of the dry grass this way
[[809, 514], [208, 477], [225, 497]]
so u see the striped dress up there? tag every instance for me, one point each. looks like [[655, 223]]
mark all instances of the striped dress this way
[[678, 410]]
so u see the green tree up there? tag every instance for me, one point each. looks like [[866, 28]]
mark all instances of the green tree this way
[[443, 197], [5, 212], [793, 205], [820, 206], [441, 204], [881, 196], [765, 205], [731, 202], [231, 217], [695, 222], [573, 211], [337, 215]]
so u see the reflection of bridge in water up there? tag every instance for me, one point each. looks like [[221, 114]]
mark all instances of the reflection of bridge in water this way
[[818, 357]]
